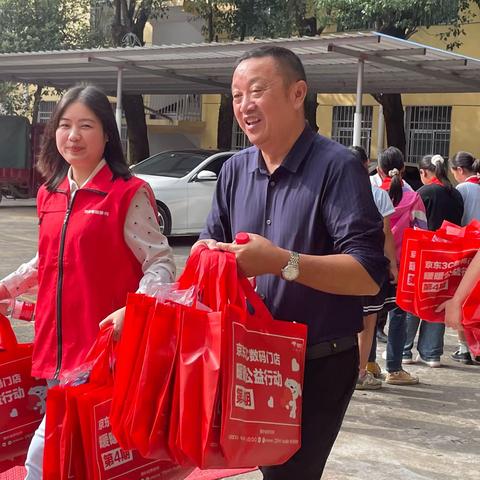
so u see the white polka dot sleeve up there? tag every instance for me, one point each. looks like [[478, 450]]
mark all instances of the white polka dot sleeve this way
[[148, 244], [24, 279]]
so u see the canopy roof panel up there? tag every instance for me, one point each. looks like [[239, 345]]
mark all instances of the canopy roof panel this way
[[391, 66]]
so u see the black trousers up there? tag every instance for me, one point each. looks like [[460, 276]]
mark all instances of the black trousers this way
[[329, 383]]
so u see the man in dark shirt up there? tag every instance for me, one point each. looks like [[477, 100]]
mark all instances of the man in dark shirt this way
[[316, 239]]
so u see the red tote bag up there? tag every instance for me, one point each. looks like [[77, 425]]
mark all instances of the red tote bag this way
[[22, 397], [197, 404], [198, 388], [441, 266], [105, 459], [262, 385], [151, 403], [408, 269], [129, 361]]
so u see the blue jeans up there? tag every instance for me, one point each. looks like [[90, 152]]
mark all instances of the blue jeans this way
[[430, 338], [397, 334]]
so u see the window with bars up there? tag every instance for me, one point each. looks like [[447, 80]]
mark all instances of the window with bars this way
[[239, 139], [342, 126], [427, 131], [45, 110]]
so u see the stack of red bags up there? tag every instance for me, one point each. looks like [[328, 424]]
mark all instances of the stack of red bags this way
[[432, 266], [22, 398], [214, 383]]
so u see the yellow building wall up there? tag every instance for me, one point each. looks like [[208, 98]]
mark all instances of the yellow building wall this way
[[210, 109], [465, 120]]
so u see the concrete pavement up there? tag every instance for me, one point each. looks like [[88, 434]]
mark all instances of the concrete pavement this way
[[429, 431]]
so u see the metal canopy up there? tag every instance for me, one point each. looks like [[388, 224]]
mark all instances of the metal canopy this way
[[391, 65]]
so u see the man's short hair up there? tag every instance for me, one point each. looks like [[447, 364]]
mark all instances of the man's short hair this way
[[289, 65]]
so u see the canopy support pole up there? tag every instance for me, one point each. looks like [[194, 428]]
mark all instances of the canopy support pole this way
[[380, 131], [357, 121], [118, 110]]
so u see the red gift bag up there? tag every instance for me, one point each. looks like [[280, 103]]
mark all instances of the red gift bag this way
[[63, 450], [408, 269], [151, 403], [197, 401], [22, 398], [198, 388], [262, 390], [104, 458], [56, 408], [222, 427], [130, 355], [471, 320], [441, 266]]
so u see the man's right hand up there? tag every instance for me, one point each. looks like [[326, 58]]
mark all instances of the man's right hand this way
[[207, 242]]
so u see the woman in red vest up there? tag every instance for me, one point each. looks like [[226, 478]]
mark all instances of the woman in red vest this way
[[98, 240]]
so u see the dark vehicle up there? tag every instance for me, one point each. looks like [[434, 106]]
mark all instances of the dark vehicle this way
[[19, 146]]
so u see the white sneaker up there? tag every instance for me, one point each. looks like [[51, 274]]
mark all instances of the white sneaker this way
[[430, 363], [368, 382]]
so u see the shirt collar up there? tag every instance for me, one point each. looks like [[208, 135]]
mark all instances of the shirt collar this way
[[294, 157], [73, 184]]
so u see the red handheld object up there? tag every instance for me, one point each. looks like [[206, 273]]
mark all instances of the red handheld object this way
[[241, 238]]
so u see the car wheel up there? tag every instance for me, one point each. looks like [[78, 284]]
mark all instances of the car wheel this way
[[164, 219]]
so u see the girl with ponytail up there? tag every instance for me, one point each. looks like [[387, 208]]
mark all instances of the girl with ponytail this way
[[442, 202], [409, 212], [466, 170]]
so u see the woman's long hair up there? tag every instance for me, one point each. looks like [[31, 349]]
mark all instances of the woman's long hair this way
[[436, 164], [52, 165], [391, 163]]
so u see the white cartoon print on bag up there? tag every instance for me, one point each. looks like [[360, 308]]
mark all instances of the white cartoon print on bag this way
[[296, 391], [41, 393]]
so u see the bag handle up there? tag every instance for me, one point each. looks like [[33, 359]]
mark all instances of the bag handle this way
[[8, 339], [97, 364], [260, 310], [102, 355]]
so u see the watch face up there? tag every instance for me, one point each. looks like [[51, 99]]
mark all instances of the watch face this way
[[290, 272]]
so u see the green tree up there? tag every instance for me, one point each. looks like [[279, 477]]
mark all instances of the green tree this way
[[241, 19], [33, 25], [401, 19], [129, 18]]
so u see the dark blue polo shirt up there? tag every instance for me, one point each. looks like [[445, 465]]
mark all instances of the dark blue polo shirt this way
[[318, 202]]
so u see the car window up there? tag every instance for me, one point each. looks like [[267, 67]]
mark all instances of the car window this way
[[216, 165], [171, 164]]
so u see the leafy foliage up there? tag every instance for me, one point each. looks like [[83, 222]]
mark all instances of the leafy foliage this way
[[399, 18], [33, 25], [239, 19]]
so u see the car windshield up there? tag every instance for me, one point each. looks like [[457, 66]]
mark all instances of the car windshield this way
[[171, 164]]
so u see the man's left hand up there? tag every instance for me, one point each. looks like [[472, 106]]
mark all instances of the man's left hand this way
[[258, 256]]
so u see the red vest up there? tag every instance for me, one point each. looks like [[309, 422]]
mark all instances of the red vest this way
[[85, 268]]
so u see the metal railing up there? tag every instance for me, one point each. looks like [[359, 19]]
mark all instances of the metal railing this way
[[175, 107]]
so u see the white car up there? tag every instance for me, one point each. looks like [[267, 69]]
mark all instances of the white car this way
[[183, 182]]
